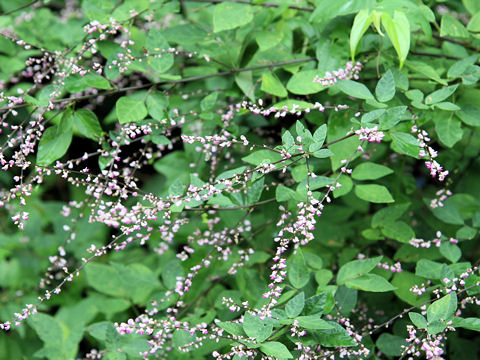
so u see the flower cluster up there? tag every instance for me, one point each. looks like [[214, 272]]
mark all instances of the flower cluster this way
[[350, 71], [370, 134], [429, 153], [436, 241]]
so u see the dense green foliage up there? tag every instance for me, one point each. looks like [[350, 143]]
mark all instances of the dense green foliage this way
[[232, 180]]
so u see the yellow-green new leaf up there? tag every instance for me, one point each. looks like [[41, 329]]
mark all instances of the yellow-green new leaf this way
[[398, 31], [271, 85], [361, 23]]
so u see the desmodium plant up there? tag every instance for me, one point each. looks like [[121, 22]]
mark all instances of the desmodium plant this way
[[220, 179]]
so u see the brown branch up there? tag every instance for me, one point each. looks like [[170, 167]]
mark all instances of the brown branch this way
[[20, 8], [179, 81]]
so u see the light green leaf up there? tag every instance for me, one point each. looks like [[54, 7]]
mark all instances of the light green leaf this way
[[355, 89], [470, 115], [426, 70], [442, 308], [467, 323], [398, 31], [449, 129], [229, 15], [370, 171], [418, 320], [451, 27], [404, 143], [276, 349], [55, 140], [268, 39], [313, 322], [295, 306], [391, 345], [298, 273], [440, 95], [130, 110], [256, 327], [87, 124], [262, 156], [360, 24], [428, 269], [209, 101], [301, 83], [370, 282], [271, 85], [390, 213], [356, 268], [447, 106], [385, 89], [474, 23], [374, 193], [451, 251], [398, 230]]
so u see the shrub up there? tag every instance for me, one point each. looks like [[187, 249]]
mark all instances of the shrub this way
[[232, 180]]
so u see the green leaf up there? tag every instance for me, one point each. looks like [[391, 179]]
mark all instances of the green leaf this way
[[87, 124], [467, 323], [229, 15], [398, 31], [403, 282], [356, 268], [130, 110], [295, 306], [447, 106], [256, 327], [404, 143], [76, 83], [370, 171], [232, 328], [374, 193], [337, 336], [470, 115], [55, 141], [440, 95], [388, 214], [209, 101], [428, 269], [449, 129], [262, 156], [391, 345], [171, 271], [283, 193], [320, 134], [298, 274], [443, 308], [316, 304], [474, 23], [360, 24], [385, 89], [451, 251], [313, 322], [370, 282], [276, 349], [301, 83], [354, 89], [451, 27], [426, 70], [398, 230], [418, 320], [268, 39], [449, 214], [271, 85]]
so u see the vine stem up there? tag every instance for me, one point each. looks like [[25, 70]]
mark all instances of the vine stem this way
[[184, 80], [266, 4], [20, 8]]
